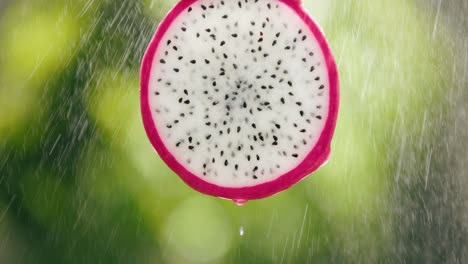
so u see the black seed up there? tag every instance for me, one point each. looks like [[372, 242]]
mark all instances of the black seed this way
[[185, 92], [175, 48], [214, 83], [204, 7], [274, 143], [180, 57], [208, 137], [225, 163], [191, 147], [236, 167], [207, 61], [287, 48], [204, 77], [301, 113], [290, 83], [248, 157], [211, 6], [260, 39], [169, 42], [176, 70], [221, 153], [225, 56], [255, 177], [319, 117], [190, 139], [254, 126], [273, 76], [282, 100], [169, 126], [239, 4], [178, 144], [278, 34], [295, 155], [277, 126], [299, 103], [190, 9], [234, 35], [180, 100], [184, 29], [279, 62], [256, 168], [317, 78], [187, 102], [156, 93], [193, 61], [235, 66], [225, 16], [204, 165], [321, 87], [198, 35], [162, 61], [304, 38], [302, 131]]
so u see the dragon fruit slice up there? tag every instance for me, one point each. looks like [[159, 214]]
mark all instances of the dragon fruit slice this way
[[240, 98]]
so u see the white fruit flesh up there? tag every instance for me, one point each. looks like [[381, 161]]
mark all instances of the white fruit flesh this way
[[239, 91]]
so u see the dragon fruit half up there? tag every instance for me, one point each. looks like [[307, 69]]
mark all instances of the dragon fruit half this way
[[240, 98]]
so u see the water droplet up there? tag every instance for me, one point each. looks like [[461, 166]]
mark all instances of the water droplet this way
[[241, 231], [240, 202]]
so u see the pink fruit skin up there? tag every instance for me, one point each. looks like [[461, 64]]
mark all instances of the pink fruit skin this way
[[314, 160]]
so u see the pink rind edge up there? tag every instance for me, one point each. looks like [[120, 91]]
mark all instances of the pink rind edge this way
[[314, 160]]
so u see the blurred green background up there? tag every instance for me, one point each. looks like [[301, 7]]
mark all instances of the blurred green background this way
[[80, 183]]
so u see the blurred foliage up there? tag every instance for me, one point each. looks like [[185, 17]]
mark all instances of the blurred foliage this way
[[80, 183]]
